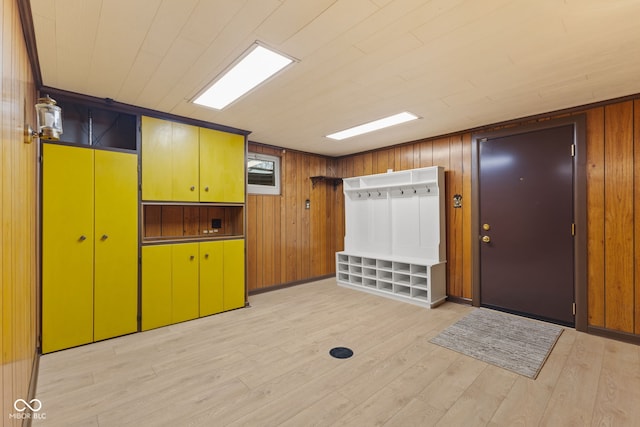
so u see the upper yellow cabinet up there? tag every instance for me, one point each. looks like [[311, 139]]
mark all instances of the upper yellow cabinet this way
[[191, 164], [221, 166]]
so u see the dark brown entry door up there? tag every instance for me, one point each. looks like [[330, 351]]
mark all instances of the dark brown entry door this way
[[526, 213]]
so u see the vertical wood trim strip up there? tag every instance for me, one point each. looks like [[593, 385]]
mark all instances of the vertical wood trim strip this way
[[595, 216], [619, 258], [636, 158], [467, 256]]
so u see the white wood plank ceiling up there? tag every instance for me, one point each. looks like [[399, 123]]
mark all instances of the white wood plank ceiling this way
[[456, 63]]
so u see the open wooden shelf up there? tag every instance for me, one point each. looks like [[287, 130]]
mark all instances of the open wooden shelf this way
[[180, 222]]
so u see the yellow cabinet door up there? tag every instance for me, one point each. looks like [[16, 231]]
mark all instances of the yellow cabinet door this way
[[234, 286], [67, 247], [185, 169], [156, 286], [156, 154], [185, 289], [222, 166], [116, 244], [211, 278]]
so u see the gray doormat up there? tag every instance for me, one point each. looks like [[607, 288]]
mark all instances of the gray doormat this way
[[511, 342]]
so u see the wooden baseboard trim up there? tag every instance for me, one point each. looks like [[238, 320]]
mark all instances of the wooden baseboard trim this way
[[289, 284], [459, 300], [616, 335]]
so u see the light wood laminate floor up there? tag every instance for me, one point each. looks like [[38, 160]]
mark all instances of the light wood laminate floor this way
[[268, 365]]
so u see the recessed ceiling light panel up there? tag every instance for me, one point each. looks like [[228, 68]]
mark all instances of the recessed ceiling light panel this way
[[385, 122], [255, 66]]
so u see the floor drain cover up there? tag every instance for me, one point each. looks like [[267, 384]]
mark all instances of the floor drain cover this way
[[341, 352]]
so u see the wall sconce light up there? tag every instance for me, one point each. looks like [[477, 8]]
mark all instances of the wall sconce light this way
[[49, 119]]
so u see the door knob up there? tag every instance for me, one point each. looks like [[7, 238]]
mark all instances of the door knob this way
[[193, 187], [486, 239], [83, 238], [486, 227], [192, 257], [206, 255], [104, 237], [206, 188]]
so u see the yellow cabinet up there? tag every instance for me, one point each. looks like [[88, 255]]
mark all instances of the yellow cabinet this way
[[170, 290], [184, 282], [89, 245], [115, 244], [211, 277], [67, 247], [156, 286], [190, 164], [169, 160], [222, 166], [234, 287]]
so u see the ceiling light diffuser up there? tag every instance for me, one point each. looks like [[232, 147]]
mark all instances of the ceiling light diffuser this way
[[396, 119], [256, 65]]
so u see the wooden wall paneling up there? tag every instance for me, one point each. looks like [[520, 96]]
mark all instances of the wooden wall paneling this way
[[386, 160], [259, 233], [152, 221], [379, 162], [467, 238], [404, 157], [172, 221], [454, 218], [268, 238], [367, 164], [318, 216], [304, 229], [252, 241], [426, 153], [595, 217], [291, 203], [191, 221], [358, 165], [277, 239], [619, 258], [18, 219], [636, 234]]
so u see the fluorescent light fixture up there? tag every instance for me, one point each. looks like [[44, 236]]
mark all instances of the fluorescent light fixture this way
[[255, 66], [396, 119]]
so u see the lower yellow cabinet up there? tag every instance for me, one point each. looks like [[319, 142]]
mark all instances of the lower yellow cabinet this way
[[184, 290], [156, 286], [211, 277], [234, 294], [182, 281]]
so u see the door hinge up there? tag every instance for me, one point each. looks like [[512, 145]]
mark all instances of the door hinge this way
[[574, 308], [573, 150], [573, 229]]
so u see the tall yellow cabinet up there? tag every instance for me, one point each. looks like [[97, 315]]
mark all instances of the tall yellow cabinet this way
[[193, 195], [89, 245]]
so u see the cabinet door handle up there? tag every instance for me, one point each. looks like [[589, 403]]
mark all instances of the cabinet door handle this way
[[82, 238], [193, 187], [206, 256], [192, 257], [104, 237], [206, 188]]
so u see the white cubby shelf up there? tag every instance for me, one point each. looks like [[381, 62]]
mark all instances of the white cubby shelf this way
[[394, 242], [418, 281]]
